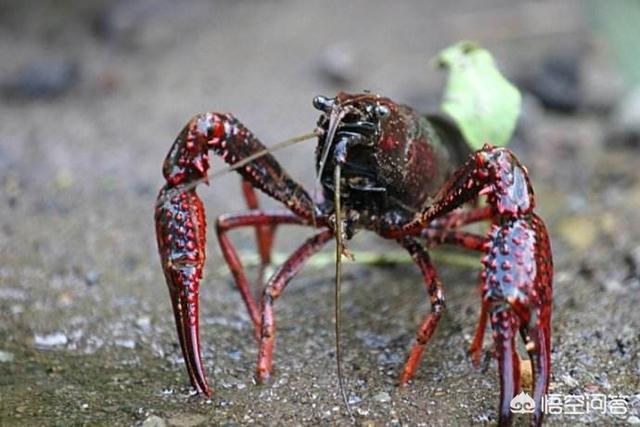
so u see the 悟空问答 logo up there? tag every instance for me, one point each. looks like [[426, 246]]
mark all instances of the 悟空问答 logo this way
[[522, 404]]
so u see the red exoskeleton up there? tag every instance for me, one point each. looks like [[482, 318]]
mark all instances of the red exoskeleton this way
[[381, 167]]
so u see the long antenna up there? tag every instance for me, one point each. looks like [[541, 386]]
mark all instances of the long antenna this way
[[339, 248], [270, 149], [334, 120], [275, 147]]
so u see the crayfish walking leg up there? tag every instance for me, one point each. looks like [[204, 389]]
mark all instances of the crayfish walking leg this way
[[428, 326], [437, 234], [261, 220], [272, 291], [264, 233]]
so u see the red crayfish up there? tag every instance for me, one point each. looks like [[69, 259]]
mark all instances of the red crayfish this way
[[381, 167]]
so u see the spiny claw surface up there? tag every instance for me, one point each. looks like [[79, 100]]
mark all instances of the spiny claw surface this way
[[181, 233], [517, 285]]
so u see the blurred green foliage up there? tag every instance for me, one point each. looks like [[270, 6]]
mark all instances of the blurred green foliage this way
[[482, 102], [618, 21]]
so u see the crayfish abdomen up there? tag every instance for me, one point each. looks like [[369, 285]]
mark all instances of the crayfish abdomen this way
[[381, 167]]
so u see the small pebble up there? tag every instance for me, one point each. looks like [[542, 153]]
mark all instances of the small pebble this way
[[91, 278], [569, 380], [235, 354], [613, 285], [592, 388], [362, 412], [65, 299], [52, 340], [382, 397], [154, 421], [5, 356], [125, 343], [354, 399], [187, 420], [144, 323]]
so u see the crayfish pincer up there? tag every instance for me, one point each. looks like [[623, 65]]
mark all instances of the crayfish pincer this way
[[384, 168]]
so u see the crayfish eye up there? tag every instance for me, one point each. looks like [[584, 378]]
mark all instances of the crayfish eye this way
[[382, 111], [323, 103]]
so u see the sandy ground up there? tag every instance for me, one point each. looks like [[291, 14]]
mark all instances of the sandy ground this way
[[86, 333]]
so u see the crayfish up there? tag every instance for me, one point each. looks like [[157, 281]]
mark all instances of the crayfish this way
[[380, 167]]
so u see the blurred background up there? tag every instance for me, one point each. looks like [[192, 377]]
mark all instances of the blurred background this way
[[92, 94]]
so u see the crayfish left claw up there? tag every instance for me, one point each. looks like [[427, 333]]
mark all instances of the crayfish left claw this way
[[180, 231], [184, 299], [517, 286]]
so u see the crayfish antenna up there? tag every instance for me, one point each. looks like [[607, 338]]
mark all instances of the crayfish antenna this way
[[334, 120], [339, 250], [275, 147]]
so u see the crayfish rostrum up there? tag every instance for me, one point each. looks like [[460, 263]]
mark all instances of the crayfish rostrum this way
[[380, 167]]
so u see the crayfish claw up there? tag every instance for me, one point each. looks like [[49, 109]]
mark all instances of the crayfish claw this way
[[539, 348], [505, 326], [180, 231], [186, 317], [517, 284]]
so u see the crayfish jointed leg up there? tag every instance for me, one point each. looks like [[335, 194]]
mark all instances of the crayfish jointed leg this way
[[261, 220], [436, 296], [272, 292]]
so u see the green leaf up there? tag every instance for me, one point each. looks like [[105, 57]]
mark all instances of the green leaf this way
[[482, 102]]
